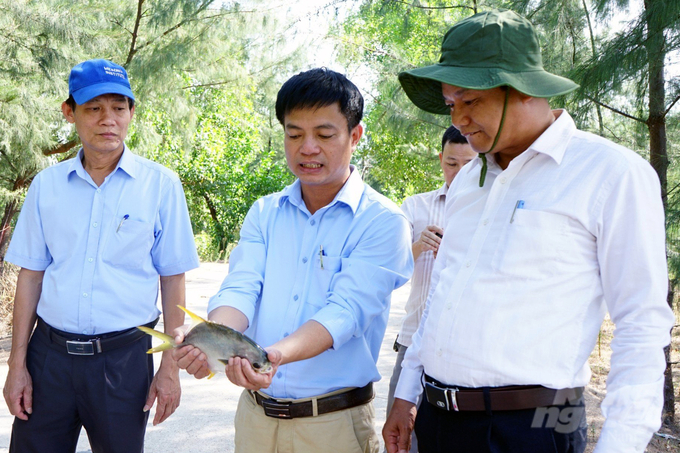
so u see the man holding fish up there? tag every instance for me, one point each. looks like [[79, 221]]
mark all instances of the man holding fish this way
[[311, 279]]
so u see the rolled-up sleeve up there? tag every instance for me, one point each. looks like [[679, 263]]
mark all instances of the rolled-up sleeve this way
[[359, 292]]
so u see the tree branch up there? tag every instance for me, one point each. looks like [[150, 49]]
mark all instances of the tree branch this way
[[175, 27], [61, 148], [117, 22], [677, 98], [135, 33], [615, 110], [413, 5], [9, 161]]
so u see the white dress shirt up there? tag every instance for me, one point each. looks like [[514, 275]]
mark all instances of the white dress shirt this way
[[421, 210], [519, 292]]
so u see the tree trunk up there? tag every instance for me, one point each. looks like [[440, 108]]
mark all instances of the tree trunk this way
[[6, 230], [658, 155]]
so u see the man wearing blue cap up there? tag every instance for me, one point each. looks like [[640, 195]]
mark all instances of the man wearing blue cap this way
[[555, 227], [94, 237]]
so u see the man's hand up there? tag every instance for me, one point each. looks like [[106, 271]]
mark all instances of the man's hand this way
[[190, 358], [166, 388], [18, 392], [430, 239], [240, 371], [399, 426]]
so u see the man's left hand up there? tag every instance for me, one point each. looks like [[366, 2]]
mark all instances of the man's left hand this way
[[240, 371], [166, 388]]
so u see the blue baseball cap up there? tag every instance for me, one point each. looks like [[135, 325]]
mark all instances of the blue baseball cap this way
[[93, 78]]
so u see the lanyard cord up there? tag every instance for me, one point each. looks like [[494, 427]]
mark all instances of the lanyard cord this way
[[482, 175]]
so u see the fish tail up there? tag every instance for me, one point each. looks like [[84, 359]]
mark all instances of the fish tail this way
[[168, 341], [194, 317]]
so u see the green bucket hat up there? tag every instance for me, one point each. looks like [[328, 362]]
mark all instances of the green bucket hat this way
[[484, 51]]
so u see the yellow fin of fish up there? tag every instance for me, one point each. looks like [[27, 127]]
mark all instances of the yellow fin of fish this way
[[195, 319], [168, 341]]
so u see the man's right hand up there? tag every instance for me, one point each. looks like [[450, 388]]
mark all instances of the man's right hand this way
[[399, 426], [18, 392], [190, 358], [429, 240]]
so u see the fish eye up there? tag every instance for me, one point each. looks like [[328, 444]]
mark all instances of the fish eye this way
[[257, 366]]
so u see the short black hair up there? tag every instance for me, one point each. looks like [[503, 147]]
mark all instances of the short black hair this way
[[320, 87], [453, 135], [72, 102]]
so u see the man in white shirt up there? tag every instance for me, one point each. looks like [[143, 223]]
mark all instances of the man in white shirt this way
[[554, 226], [425, 213]]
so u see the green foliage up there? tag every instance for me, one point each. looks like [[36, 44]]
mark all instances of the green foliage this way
[[399, 153], [171, 50], [222, 166]]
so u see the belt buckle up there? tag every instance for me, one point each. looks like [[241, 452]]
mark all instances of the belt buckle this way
[[276, 409], [84, 347], [442, 397], [451, 396]]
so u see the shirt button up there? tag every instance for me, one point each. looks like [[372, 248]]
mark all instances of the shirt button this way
[[295, 297], [90, 259], [448, 306], [304, 260], [503, 180], [486, 221], [95, 224], [439, 352], [99, 190], [84, 294], [468, 264], [84, 332], [279, 374], [285, 335], [312, 222]]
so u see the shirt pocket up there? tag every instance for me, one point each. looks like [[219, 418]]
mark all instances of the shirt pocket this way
[[325, 268], [536, 244], [130, 245]]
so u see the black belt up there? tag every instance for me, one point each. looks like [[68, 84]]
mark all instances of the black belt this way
[[288, 409], [514, 397], [76, 344]]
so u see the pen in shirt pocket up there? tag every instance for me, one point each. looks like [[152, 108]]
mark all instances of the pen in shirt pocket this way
[[321, 255], [518, 205], [125, 217]]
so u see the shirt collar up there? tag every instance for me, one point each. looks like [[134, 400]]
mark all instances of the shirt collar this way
[[554, 140], [441, 192], [350, 193], [126, 163]]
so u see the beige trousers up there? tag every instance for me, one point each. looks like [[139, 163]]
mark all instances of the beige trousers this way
[[345, 431]]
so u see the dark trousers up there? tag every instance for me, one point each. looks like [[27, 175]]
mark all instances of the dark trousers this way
[[105, 393], [555, 429]]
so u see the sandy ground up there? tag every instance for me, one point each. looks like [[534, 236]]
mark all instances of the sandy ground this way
[[204, 421]]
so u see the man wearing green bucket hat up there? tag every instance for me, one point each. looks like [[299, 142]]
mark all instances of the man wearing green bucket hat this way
[[555, 227]]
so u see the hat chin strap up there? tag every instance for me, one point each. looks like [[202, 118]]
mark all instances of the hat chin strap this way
[[482, 175]]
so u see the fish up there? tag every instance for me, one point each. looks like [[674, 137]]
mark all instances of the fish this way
[[218, 342]]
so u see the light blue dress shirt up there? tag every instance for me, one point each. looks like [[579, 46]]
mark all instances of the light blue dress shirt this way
[[103, 248], [337, 267]]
